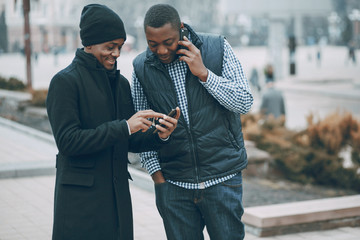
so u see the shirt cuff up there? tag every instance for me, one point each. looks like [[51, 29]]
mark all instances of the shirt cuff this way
[[153, 167], [211, 82], [165, 139], [128, 127]]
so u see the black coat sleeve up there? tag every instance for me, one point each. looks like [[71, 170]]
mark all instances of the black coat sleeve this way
[[63, 111], [72, 138]]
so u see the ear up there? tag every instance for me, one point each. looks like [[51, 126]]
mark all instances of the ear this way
[[87, 49], [182, 25]]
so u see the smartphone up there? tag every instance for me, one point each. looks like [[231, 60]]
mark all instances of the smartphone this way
[[184, 32], [172, 113]]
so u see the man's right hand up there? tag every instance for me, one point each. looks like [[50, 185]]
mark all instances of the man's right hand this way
[[158, 177], [139, 121]]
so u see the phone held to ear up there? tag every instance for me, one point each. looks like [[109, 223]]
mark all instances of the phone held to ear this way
[[184, 32], [172, 113]]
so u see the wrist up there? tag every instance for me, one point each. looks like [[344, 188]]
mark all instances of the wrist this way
[[203, 76], [158, 177]]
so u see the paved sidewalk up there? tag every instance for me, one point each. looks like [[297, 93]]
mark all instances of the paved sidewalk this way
[[25, 151], [26, 206], [26, 213], [26, 199]]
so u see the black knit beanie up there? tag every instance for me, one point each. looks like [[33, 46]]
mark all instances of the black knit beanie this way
[[99, 24]]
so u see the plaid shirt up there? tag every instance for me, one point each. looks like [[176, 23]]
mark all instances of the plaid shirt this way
[[231, 90]]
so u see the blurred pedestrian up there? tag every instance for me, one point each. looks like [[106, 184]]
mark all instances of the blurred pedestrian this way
[[318, 55], [56, 55], [322, 42], [254, 79], [94, 124], [269, 73], [198, 176], [36, 57], [351, 52], [272, 103]]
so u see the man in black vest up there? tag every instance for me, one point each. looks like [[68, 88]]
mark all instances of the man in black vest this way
[[93, 120], [197, 176]]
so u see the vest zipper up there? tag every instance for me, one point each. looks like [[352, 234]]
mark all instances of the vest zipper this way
[[192, 143], [188, 127]]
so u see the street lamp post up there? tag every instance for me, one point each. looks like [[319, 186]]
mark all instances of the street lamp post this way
[[27, 42], [27, 39]]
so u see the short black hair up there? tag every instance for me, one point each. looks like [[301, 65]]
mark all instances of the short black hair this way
[[160, 14]]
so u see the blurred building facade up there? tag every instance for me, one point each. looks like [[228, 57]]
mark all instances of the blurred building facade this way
[[54, 23], [305, 19]]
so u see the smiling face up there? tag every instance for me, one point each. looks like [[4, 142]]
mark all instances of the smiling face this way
[[163, 42], [106, 53]]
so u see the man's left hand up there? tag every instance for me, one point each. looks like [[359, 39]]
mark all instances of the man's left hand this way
[[168, 124]]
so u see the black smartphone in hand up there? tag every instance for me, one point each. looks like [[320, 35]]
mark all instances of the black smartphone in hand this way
[[172, 113], [184, 32]]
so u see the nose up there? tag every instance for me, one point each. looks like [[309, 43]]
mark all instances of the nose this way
[[162, 50], [116, 53]]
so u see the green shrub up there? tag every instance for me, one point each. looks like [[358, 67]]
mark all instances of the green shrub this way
[[15, 84], [3, 82], [12, 84]]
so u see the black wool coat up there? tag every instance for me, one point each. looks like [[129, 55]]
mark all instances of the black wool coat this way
[[92, 198]]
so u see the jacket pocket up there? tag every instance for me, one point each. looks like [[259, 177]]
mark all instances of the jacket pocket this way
[[79, 179], [82, 162]]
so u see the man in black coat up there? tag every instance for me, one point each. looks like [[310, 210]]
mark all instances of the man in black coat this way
[[88, 103]]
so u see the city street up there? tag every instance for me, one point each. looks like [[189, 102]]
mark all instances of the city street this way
[[306, 92]]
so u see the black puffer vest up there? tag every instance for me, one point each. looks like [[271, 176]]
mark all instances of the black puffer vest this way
[[212, 146]]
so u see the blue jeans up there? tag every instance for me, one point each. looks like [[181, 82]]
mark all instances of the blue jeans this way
[[185, 212]]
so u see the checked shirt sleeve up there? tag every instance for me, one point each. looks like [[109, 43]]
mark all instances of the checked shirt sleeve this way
[[149, 160], [232, 88]]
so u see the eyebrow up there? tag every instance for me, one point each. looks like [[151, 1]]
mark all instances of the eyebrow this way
[[169, 39], [116, 44]]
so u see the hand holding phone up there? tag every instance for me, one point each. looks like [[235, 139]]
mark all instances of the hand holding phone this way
[[172, 113], [193, 57], [184, 32]]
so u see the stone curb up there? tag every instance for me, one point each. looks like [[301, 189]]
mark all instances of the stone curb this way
[[29, 169], [27, 130], [41, 168]]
